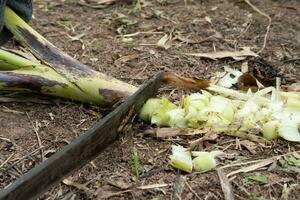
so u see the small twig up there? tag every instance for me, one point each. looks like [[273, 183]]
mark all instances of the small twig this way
[[225, 184], [5, 139], [22, 158], [146, 187], [14, 172], [2, 164], [142, 33], [8, 110], [35, 128], [39, 141], [268, 27]]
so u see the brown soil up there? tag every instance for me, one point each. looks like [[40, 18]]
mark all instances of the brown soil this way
[[112, 172]]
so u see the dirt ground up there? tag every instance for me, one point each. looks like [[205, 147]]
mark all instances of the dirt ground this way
[[93, 36]]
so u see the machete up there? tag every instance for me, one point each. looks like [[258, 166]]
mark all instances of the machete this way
[[82, 150]]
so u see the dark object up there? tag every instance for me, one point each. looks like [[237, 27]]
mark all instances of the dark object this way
[[264, 72], [247, 81], [22, 7], [82, 150]]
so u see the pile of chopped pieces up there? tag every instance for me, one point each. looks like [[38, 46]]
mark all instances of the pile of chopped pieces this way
[[269, 112]]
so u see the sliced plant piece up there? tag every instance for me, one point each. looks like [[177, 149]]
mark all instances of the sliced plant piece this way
[[241, 113], [224, 107], [194, 106], [200, 153], [204, 163], [161, 116], [177, 118], [269, 130], [149, 109], [289, 131], [293, 104], [181, 159]]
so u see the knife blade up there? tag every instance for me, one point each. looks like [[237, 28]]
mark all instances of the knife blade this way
[[82, 150]]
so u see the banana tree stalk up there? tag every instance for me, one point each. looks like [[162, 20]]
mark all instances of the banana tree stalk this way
[[59, 75]]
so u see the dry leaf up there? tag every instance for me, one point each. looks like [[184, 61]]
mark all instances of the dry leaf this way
[[78, 186], [171, 132], [250, 146], [120, 182], [253, 167], [236, 55], [165, 42], [105, 194]]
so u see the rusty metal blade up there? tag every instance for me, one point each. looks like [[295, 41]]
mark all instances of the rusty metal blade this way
[[82, 150]]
